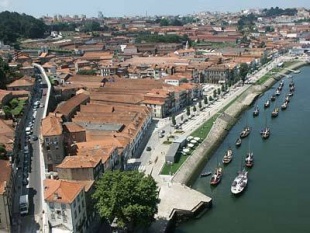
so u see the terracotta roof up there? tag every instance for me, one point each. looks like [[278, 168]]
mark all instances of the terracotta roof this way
[[51, 125], [67, 107], [61, 191], [4, 93], [24, 81], [79, 162], [5, 174], [73, 127], [5, 129]]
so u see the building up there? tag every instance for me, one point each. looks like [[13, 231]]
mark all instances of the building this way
[[5, 195], [80, 168], [53, 141], [66, 205]]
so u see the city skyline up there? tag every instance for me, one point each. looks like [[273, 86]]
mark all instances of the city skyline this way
[[139, 7]]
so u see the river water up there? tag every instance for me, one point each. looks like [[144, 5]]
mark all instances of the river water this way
[[277, 198]]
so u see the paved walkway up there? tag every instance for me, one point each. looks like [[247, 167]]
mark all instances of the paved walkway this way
[[174, 195]]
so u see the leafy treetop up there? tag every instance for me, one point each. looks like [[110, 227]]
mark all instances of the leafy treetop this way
[[129, 197]]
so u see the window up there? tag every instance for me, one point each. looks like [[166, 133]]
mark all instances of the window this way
[[58, 212], [82, 204], [51, 204], [63, 206], [53, 216], [65, 218], [75, 214], [74, 204], [79, 209]]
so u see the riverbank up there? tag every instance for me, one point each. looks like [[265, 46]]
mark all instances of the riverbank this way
[[192, 167]]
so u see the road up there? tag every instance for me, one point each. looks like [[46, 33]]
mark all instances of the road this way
[[30, 167]]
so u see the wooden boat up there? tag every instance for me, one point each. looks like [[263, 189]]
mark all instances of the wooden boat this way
[[267, 104], [256, 112], [275, 112], [216, 177], [238, 142], [287, 99], [273, 98], [245, 132], [204, 174], [249, 159], [265, 133], [284, 105], [228, 156], [240, 182]]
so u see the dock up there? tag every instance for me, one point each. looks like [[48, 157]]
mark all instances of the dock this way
[[178, 202]]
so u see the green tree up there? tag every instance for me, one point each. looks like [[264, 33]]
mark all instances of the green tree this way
[[194, 109], [243, 71], [173, 120], [4, 73], [128, 197], [188, 111], [214, 94], [205, 100], [164, 22], [91, 26], [210, 98], [199, 104], [219, 91]]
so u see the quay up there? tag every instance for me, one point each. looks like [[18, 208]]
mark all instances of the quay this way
[[177, 200]]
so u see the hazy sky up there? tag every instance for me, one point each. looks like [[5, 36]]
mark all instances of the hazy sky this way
[[90, 8]]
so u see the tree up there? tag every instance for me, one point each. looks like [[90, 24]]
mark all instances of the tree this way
[[214, 94], [218, 91], [243, 71], [164, 22], [199, 105], [210, 98], [194, 109], [182, 117], [128, 197], [91, 26], [14, 26], [173, 120], [188, 111], [205, 100]]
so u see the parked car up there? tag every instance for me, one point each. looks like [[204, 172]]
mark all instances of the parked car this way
[[148, 148]]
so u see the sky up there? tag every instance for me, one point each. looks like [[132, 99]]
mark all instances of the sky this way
[[110, 8]]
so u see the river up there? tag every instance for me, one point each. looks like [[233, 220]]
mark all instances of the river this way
[[277, 197]]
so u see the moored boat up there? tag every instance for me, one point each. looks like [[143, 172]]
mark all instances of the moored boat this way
[[238, 142], [267, 104], [204, 174], [256, 111], [278, 92], [228, 156], [216, 177], [245, 132], [249, 159], [284, 105], [273, 98], [240, 182], [275, 112], [265, 132]]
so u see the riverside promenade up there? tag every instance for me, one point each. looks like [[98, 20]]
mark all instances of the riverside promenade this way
[[175, 197]]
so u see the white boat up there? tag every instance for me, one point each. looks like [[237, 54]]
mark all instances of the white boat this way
[[228, 156], [240, 182]]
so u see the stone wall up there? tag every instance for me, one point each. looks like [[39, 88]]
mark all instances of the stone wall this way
[[193, 166]]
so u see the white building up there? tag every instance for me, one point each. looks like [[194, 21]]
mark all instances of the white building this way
[[66, 205]]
